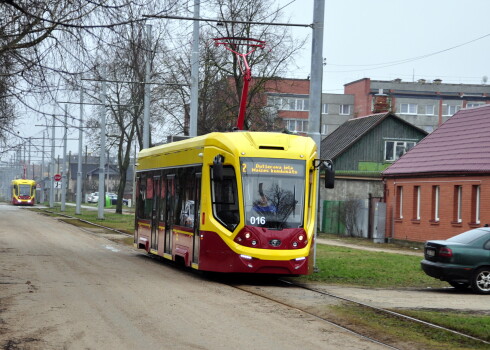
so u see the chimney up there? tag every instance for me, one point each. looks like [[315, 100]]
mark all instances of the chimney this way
[[381, 102]]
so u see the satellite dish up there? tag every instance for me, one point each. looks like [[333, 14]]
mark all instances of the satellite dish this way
[[484, 79]]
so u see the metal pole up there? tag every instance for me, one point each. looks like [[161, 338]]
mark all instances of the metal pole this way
[[24, 171], [80, 150], [103, 97], [63, 168], [316, 95], [194, 73], [146, 114], [51, 178], [30, 175], [42, 177]]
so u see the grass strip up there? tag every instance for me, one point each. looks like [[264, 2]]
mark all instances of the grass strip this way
[[403, 333], [356, 267]]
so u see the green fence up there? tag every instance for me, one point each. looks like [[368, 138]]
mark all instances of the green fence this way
[[331, 222]]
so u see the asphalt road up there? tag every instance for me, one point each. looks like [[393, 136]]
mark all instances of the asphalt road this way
[[64, 288]]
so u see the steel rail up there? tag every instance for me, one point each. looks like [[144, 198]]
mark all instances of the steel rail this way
[[393, 313], [344, 328]]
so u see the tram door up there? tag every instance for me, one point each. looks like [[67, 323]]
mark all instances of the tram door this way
[[197, 215], [170, 205], [154, 212]]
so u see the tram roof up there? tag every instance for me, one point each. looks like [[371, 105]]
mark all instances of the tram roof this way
[[236, 143], [23, 181]]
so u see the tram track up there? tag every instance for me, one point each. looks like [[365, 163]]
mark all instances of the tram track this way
[[389, 312], [261, 292], [321, 318]]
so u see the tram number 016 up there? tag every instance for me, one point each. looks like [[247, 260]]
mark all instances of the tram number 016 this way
[[257, 220]]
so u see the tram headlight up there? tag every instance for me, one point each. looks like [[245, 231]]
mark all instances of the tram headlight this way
[[247, 238], [299, 240]]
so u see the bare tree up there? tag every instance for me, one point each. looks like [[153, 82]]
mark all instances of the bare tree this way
[[221, 79]]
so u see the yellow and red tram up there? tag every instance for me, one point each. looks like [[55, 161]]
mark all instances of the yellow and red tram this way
[[23, 192], [230, 202]]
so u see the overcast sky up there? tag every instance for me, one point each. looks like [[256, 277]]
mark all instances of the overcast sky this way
[[370, 38], [367, 38]]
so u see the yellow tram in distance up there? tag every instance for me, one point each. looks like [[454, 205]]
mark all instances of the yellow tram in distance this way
[[240, 202], [23, 192]]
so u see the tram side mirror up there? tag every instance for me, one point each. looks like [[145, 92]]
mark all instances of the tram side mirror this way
[[218, 168], [329, 174]]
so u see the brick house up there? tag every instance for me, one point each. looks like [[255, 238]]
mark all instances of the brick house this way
[[288, 101], [423, 103], [441, 187]]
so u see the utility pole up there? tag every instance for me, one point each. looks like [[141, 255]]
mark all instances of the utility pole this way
[[103, 97], [29, 170], [195, 72], [51, 177], [146, 113], [63, 169], [42, 170], [316, 94], [80, 146]]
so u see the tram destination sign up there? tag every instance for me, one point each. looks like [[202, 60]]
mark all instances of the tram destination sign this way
[[272, 167]]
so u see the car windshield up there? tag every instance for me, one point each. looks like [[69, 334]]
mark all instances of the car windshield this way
[[469, 236], [273, 191]]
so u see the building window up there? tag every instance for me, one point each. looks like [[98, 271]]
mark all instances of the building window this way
[[399, 202], [289, 104], [458, 203], [344, 110], [473, 104], [429, 110], [408, 108], [395, 149], [416, 203], [298, 125], [475, 204], [324, 129], [435, 203], [452, 109], [324, 108]]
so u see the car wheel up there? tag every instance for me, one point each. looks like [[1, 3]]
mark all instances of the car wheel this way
[[459, 285], [481, 281]]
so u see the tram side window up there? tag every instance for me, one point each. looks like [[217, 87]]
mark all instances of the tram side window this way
[[163, 201], [225, 199], [149, 198], [186, 197], [145, 197]]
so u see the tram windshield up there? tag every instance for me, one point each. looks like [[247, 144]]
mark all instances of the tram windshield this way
[[24, 190], [274, 192]]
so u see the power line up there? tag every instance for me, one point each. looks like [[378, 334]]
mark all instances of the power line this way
[[402, 61], [229, 21]]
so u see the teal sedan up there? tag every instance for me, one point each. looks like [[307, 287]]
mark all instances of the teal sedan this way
[[462, 260]]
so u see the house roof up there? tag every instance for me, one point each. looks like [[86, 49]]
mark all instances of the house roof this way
[[459, 145], [349, 132]]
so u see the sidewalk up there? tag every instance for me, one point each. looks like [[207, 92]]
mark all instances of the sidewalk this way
[[339, 243]]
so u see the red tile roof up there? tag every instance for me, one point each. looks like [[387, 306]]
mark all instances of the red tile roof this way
[[461, 144]]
